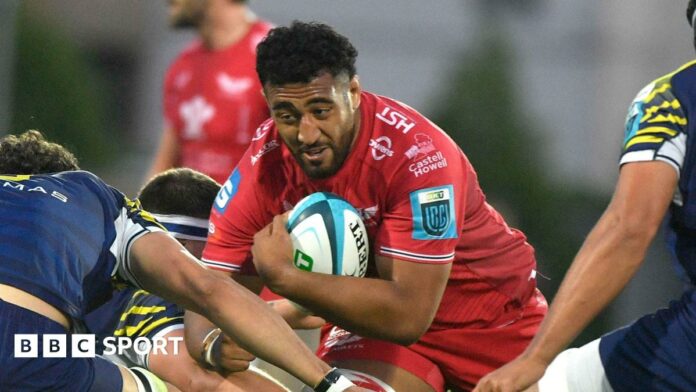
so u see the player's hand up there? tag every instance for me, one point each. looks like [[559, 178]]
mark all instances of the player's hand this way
[[228, 357], [272, 251], [517, 375], [357, 389]]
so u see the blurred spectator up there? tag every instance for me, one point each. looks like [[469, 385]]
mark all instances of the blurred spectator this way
[[212, 97]]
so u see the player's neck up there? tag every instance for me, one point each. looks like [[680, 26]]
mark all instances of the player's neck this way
[[226, 27]]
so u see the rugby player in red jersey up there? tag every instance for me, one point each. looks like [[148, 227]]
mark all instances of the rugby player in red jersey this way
[[450, 292]]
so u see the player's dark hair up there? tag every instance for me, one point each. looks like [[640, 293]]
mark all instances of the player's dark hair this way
[[690, 11], [31, 153], [301, 52], [180, 191]]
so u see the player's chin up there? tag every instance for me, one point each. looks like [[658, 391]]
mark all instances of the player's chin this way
[[318, 171]]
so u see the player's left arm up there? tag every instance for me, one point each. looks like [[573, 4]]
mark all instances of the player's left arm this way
[[399, 307]]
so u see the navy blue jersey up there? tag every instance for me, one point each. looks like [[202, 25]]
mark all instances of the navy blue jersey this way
[[661, 125], [65, 238]]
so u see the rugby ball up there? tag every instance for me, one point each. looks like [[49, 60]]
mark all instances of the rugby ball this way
[[328, 236]]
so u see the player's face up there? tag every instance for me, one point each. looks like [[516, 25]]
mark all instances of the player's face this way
[[318, 121], [186, 13]]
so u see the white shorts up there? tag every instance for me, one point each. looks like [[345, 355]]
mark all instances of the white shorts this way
[[576, 370]]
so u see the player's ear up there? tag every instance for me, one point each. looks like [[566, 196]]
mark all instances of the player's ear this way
[[355, 90]]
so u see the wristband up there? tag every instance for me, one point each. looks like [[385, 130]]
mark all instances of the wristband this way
[[207, 348], [334, 381]]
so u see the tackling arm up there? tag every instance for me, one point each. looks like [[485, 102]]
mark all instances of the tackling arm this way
[[610, 256], [164, 267]]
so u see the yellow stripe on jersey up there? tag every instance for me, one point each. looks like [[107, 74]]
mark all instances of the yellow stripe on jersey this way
[[134, 205], [656, 91], [21, 177], [649, 130], [131, 330], [644, 139], [158, 323], [668, 118], [139, 292], [142, 310], [674, 104]]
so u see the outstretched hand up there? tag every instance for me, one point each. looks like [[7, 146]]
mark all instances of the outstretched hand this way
[[272, 250], [516, 376]]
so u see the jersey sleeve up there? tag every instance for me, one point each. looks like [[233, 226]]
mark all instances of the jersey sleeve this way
[[131, 223], [424, 208], [238, 213], [655, 127]]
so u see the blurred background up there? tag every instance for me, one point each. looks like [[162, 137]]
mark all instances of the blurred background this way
[[535, 92]]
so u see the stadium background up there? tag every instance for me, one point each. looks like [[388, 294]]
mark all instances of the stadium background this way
[[535, 92]]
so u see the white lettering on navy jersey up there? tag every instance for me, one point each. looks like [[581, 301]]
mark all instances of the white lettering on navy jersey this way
[[40, 189]]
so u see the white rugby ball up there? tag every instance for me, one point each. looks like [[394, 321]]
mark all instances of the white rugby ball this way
[[328, 236]]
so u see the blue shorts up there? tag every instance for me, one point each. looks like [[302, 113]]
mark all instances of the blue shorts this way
[[655, 353], [48, 374]]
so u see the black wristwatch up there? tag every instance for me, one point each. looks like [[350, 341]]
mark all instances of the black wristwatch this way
[[334, 381]]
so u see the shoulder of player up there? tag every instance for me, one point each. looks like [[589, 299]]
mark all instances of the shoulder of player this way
[[81, 184], [265, 144], [403, 128], [180, 62], [192, 49], [669, 84]]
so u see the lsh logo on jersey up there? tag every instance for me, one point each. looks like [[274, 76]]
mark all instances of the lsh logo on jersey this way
[[422, 153], [433, 213], [396, 119], [381, 147]]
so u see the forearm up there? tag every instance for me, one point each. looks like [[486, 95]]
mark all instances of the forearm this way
[[256, 328], [606, 262], [164, 268], [373, 308]]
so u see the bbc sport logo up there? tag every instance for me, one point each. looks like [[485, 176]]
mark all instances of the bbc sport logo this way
[[84, 345]]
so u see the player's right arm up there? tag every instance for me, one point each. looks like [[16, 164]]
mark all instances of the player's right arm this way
[[617, 244], [167, 155], [162, 266]]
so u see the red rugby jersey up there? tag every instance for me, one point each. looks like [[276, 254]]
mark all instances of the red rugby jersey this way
[[420, 200], [213, 102]]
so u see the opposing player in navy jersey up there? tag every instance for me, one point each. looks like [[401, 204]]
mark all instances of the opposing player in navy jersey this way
[[66, 238], [180, 200], [656, 184]]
